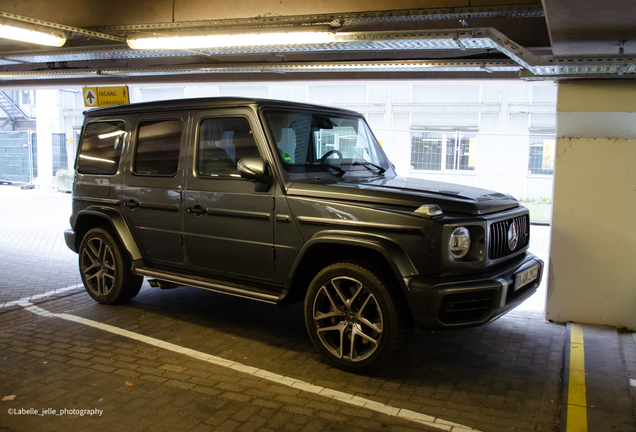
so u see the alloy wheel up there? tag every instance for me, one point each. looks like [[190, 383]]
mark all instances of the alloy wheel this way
[[348, 319], [98, 266]]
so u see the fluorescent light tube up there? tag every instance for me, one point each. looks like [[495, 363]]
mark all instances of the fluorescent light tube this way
[[228, 40], [26, 32]]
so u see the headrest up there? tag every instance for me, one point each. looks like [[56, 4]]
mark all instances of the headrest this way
[[211, 130], [278, 133]]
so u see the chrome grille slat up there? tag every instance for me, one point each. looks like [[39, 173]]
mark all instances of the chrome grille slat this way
[[498, 236]]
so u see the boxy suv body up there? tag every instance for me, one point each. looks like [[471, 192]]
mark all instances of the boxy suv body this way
[[283, 202]]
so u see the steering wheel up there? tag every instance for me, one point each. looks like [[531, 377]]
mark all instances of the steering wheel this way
[[329, 153]]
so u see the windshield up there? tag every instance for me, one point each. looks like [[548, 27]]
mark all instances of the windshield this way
[[309, 143]]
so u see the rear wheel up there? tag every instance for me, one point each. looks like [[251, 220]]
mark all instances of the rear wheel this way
[[106, 269], [355, 319]]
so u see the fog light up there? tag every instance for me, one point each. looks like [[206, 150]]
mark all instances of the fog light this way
[[459, 243]]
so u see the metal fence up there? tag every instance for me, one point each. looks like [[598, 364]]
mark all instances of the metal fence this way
[[18, 156], [15, 157]]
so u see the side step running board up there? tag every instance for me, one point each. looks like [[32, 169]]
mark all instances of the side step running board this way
[[206, 284]]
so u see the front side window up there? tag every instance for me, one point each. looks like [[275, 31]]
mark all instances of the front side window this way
[[541, 160], [101, 146], [313, 142], [222, 143], [443, 151], [158, 145]]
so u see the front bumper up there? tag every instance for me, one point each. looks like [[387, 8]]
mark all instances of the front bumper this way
[[466, 301]]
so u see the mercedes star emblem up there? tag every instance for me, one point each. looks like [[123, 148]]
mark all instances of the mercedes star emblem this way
[[513, 238]]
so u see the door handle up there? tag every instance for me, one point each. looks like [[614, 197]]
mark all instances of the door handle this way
[[132, 203], [197, 210]]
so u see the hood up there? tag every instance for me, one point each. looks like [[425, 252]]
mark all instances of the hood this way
[[407, 191]]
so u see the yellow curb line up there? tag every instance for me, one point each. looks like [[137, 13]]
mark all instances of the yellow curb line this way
[[577, 405]]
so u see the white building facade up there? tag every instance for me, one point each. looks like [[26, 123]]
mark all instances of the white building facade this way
[[492, 134]]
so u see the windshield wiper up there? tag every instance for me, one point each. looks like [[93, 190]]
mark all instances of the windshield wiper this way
[[367, 164], [341, 172]]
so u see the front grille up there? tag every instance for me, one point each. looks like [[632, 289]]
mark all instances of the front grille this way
[[498, 238], [468, 307]]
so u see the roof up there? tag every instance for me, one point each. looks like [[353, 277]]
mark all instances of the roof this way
[[206, 103]]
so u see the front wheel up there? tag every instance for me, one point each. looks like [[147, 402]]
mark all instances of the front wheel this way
[[105, 268], [355, 319]]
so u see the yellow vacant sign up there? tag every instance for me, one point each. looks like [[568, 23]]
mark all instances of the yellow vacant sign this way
[[105, 96]]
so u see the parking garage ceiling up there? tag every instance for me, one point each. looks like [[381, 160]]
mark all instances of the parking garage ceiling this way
[[368, 39]]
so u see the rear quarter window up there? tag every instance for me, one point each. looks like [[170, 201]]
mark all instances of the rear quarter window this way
[[101, 146]]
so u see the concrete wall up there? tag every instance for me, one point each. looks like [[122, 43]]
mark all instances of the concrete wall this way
[[96, 13], [593, 236]]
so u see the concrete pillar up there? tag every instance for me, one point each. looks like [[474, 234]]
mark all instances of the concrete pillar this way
[[44, 104], [593, 246]]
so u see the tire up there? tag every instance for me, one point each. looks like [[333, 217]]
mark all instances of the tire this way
[[106, 269], [355, 318]]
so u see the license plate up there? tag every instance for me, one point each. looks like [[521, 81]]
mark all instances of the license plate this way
[[525, 277]]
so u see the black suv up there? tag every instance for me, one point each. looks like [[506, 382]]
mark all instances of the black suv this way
[[284, 202]]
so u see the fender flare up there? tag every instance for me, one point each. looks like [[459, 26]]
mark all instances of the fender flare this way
[[392, 252], [119, 225]]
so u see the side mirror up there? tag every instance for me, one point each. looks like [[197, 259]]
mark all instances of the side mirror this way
[[254, 169]]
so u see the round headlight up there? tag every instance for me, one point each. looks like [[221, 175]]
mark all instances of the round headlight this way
[[459, 243]]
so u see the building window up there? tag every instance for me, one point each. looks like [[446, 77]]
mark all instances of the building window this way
[[443, 151], [541, 155]]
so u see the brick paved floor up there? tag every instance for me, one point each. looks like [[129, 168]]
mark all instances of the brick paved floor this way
[[64, 365], [501, 377], [33, 253]]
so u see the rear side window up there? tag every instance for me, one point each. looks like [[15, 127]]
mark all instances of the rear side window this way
[[101, 148], [222, 143], [158, 145]]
